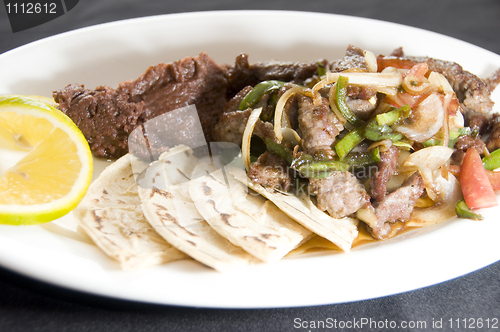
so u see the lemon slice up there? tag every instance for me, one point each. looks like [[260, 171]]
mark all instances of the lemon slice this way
[[45, 162]]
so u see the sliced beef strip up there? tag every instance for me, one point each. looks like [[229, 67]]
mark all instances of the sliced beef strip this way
[[358, 100], [107, 116], [318, 125], [478, 123], [465, 143], [385, 170], [354, 58], [291, 108], [234, 103], [357, 96], [231, 127], [340, 194], [397, 206], [243, 73], [472, 91], [271, 171], [493, 141]]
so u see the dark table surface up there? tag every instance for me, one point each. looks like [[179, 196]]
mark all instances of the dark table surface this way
[[28, 305]]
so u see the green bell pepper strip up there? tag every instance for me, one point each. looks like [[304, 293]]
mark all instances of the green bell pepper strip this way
[[492, 161], [433, 142], [303, 159], [322, 169], [403, 145], [393, 116], [278, 150], [360, 159], [454, 135], [463, 211], [258, 91], [376, 132], [321, 71], [340, 102], [349, 142]]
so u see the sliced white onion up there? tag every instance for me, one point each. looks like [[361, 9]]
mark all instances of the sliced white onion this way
[[456, 121], [395, 182], [371, 61], [444, 210], [290, 135], [426, 120], [421, 86], [368, 216], [383, 145], [432, 157], [384, 80], [280, 116], [440, 81], [428, 162], [446, 128], [247, 137]]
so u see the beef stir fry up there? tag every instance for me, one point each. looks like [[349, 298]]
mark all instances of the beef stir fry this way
[[384, 139], [393, 141]]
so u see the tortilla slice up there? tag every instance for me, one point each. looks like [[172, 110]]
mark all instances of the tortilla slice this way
[[248, 221], [174, 216], [111, 215], [341, 232]]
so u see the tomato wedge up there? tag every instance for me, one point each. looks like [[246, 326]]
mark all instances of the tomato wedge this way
[[418, 71], [476, 187], [390, 61]]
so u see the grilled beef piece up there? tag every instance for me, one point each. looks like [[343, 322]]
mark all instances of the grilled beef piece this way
[[243, 74], [357, 96], [232, 122], [397, 206], [340, 194], [386, 168], [477, 122], [493, 141], [234, 103], [358, 100], [271, 171], [107, 116], [465, 143], [472, 91], [318, 125], [231, 126], [354, 58]]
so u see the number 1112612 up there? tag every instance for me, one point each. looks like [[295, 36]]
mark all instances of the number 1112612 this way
[[31, 8]]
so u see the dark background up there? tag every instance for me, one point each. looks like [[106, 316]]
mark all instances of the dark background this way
[[27, 305]]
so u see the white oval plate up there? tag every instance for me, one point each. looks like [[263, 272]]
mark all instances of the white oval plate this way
[[110, 53]]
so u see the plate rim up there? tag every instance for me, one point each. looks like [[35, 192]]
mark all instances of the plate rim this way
[[191, 15]]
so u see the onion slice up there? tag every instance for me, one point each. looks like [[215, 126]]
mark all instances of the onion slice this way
[[279, 116], [425, 120], [428, 161], [371, 61], [432, 157], [247, 137], [440, 82], [383, 80], [446, 127], [438, 212]]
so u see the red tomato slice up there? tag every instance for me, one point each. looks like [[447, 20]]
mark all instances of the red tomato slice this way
[[418, 71], [405, 98], [476, 187], [390, 61]]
